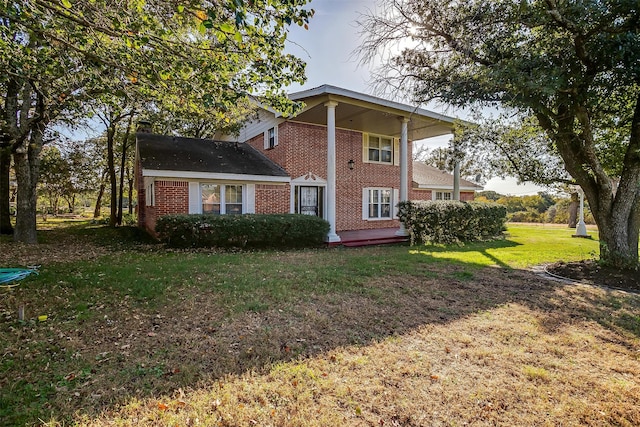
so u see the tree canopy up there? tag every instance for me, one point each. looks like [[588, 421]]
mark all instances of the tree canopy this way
[[573, 65], [188, 56]]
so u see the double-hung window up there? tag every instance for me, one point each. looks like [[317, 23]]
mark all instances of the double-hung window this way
[[271, 138], [221, 199], [443, 195], [380, 203], [380, 149], [150, 195]]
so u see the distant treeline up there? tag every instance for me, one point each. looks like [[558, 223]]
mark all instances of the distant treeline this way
[[542, 207]]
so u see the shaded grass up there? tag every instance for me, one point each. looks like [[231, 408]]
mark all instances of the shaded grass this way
[[318, 337]]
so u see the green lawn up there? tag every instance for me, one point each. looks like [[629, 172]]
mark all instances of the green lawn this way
[[132, 325], [524, 246]]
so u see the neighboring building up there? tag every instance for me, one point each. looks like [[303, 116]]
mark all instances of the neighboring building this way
[[430, 183], [346, 157]]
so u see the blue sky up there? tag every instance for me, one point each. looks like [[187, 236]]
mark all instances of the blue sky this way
[[327, 47]]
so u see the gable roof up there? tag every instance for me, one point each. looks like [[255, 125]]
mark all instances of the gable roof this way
[[429, 177], [162, 155]]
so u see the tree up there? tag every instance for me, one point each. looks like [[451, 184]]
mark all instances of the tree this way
[[5, 169], [67, 169], [193, 54], [572, 65], [489, 195], [55, 177], [444, 158], [84, 170]]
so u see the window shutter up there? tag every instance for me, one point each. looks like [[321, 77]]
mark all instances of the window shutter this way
[[395, 201], [396, 151], [266, 139], [250, 201], [365, 203], [365, 147], [275, 135], [195, 200]]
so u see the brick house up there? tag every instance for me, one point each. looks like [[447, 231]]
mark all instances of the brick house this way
[[346, 157]]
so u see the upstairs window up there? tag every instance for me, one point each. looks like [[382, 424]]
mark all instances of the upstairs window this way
[[271, 138], [380, 149]]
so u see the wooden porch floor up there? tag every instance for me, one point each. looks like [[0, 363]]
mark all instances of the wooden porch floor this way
[[381, 236]]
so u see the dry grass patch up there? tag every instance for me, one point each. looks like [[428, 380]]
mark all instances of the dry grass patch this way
[[500, 349], [374, 336]]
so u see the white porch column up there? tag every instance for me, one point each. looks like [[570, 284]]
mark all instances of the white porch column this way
[[332, 237], [456, 181], [581, 227], [404, 170]]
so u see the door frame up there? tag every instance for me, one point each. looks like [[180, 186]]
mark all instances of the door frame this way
[[309, 180]]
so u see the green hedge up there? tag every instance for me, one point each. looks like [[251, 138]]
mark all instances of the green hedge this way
[[452, 221], [244, 231]]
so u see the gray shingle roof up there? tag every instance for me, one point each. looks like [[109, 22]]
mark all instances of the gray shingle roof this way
[[425, 176], [169, 153]]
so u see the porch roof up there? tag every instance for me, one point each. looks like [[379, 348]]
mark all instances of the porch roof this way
[[368, 113]]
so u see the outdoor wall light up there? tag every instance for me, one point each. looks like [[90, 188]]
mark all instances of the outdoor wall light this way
[[351, 164]]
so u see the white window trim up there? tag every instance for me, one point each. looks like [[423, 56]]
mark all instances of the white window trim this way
[[434, 196], [308, 180], [150, 194], [395, 150], [195, 196], [267, 146], [365, 204], [296, 187]]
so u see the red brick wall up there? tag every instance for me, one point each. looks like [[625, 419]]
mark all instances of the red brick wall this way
[[467, 196], [415, 194], [277, 154], [172, 197], [272, 198], [150, 220], [302, 148]]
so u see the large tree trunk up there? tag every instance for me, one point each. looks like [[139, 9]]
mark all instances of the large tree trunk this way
[[619, 237], [123, 161], [617, 213], [618, 220], [71, 203], [27, 165], [573, 210], [619, 208], [96, 211], [130, 195], [111, 131], [5, 191]]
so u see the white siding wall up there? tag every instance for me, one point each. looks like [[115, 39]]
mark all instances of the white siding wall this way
[[266, 120], [195, 200]]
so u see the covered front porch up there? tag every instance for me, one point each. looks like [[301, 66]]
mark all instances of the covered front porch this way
[[338, 108], [379, 236]]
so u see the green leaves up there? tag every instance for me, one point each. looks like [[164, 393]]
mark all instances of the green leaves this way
[[244, 231], [572, 65], [445, 222], [66, 3]]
